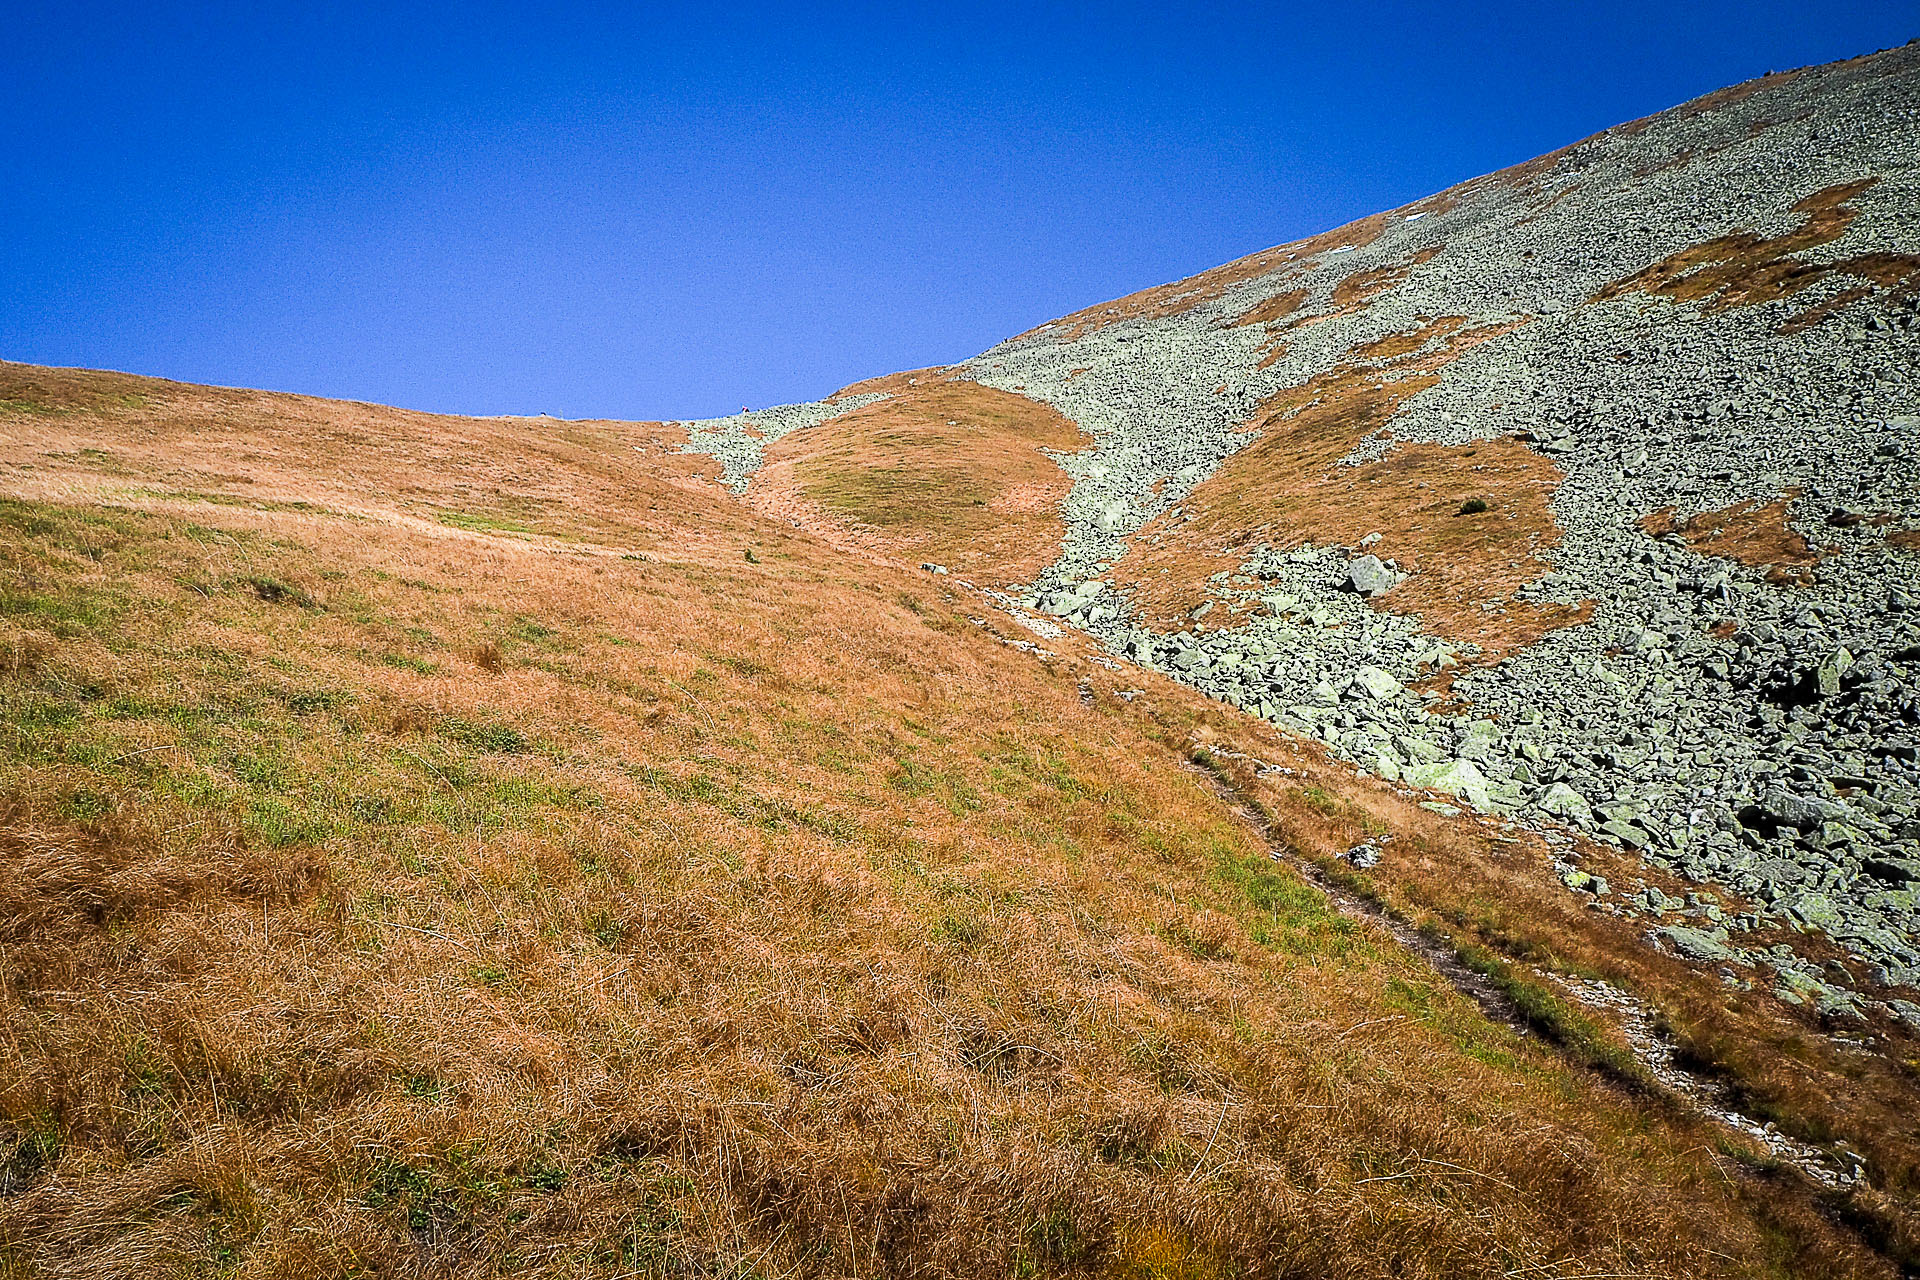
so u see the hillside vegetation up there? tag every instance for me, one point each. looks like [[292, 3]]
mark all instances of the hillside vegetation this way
[[459, 847]]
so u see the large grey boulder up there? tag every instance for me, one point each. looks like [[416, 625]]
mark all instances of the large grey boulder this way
[[1376, 682], [1455, 777], [1369, 576], [1898, 870], [1801, 812], [1697, 944], [1562, 801], [1478, 746]]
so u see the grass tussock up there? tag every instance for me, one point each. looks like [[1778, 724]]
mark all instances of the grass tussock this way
[[732, 917]]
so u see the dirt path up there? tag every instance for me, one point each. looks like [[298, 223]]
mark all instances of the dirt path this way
[[1831, 1170]]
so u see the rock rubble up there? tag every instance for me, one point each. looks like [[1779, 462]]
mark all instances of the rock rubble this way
[[1733, 724]]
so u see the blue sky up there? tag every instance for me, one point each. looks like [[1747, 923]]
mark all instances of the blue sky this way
[[654, 211]]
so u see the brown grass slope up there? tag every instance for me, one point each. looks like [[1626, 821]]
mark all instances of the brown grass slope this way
[[947, 471], [436, 847]]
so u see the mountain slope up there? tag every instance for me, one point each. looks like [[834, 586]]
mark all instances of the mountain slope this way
[[1632, 435], [441, 846], [438, 846]]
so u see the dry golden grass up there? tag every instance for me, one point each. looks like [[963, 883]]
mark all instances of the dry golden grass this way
[[1183, 295], [1275, 310], [950, 472], [380, 897], [1287, 488], [892, 383], [71, 434], [1363, 286], [1752, 533], [1744, 269]]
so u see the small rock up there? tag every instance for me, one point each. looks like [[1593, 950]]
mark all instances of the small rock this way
[[1827, 674], [1378, 683], [1586, 882], [1697, 944]]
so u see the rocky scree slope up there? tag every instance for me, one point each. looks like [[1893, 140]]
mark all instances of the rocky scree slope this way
[[1636, 427]]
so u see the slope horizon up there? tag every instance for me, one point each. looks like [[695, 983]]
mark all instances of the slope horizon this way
[[305, 250]]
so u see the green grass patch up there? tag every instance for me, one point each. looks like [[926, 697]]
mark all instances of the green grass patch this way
[[40, 408], [489, 737], [897, 496], [1287, 914], [1574, 1032], [475, 522], [240, 501], [911, 777]]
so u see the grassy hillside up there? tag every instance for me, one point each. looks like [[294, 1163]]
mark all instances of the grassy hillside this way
[[451, 847], [951, 472]]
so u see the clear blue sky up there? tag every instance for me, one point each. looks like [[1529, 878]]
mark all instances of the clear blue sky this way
[[640, 211]]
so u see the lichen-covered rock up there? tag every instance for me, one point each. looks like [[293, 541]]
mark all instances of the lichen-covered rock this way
[[1369, 576]]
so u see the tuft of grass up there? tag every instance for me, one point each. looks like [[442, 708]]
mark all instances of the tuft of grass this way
[[488, 657], [1473, 507], [29, 1151], [959, 929], [273, 591]]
